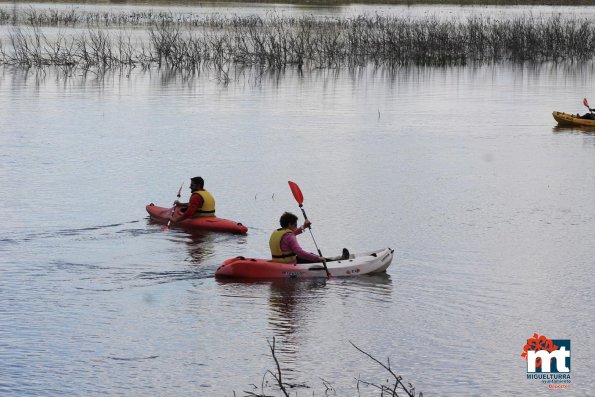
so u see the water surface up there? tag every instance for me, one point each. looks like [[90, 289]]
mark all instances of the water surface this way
[[488, 205]]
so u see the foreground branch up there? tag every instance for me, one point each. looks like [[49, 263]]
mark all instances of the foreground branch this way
[[386, 390], [398, 385]]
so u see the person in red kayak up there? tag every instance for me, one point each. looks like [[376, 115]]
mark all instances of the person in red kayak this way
[[284, 245], [201, 204]]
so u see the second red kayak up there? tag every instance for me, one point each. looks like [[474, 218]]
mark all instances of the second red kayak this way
[[213, 223]]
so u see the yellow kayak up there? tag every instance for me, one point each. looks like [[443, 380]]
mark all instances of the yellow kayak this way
[[572, 120]]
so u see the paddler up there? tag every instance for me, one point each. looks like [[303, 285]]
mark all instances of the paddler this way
[[285, 247], [588, 116], [201, 204]]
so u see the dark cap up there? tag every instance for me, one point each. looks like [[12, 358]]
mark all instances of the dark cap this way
[[198, 180]]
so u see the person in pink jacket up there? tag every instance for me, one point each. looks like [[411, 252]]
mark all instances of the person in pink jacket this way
[[285, 247]]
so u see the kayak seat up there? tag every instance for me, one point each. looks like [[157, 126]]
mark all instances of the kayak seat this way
[[345, 254], [374, 254]]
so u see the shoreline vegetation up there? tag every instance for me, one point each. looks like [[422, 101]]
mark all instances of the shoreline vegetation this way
[[335, 2], [104, 41]]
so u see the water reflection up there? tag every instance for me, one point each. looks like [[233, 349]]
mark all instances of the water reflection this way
[[199, 246], [289, 304], [288, 301], [401, 76], [294, 307], [573, 130], [371, 287]]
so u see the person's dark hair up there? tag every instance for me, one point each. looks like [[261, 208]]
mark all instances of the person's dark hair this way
[[199, 181], [287, 219]]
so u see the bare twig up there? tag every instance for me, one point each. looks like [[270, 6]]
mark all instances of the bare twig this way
[[328, 388], [398, 384], [278, 375], [387, 390]]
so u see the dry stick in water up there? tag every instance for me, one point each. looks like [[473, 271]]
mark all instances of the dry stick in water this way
[[410, 392], [278, 376], [392, 392]]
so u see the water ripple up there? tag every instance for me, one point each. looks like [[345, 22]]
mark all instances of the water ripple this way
[[132, 358]]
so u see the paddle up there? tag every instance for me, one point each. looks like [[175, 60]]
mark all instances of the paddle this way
[[173, 209], [299, 197], [587, 105]]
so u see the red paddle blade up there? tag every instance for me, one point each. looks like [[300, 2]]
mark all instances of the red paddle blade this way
[[585, 102], [297, 193]]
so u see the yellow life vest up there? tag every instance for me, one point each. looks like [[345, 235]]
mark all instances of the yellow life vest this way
[[275, 245], [208, 204]]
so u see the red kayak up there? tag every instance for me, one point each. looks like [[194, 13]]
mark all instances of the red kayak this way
[[212, 223], [250, 268]]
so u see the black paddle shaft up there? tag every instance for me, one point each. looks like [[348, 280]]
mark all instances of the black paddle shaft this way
[[328, 274], [173, 209]]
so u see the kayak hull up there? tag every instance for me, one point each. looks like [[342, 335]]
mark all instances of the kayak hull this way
[[213, 223], [250, 268], [572, 120]]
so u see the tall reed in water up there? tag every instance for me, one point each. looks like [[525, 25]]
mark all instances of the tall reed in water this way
[[276, 42]]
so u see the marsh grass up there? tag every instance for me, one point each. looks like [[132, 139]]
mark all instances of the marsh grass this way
[[276, 42], [347, 2]]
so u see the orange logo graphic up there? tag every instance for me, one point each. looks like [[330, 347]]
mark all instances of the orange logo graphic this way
[[537, 343]]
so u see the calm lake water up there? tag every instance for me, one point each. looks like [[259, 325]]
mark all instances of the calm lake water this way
[[462, 170]]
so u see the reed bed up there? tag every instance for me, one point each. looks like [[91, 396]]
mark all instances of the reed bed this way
[[391, 2], [75, 17], [277, 42]]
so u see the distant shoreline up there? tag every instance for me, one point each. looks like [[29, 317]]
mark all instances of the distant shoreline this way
[[335, 2]]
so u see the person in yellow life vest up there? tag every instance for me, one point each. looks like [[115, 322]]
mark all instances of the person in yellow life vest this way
[[201, 204], [284, 245]]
